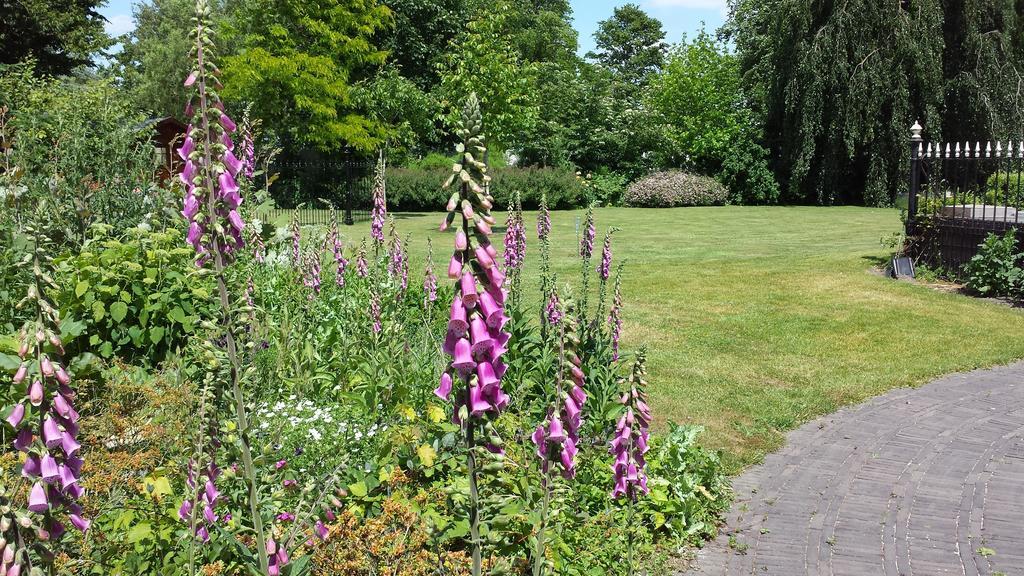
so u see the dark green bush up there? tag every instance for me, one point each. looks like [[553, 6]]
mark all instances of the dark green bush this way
[[675, 188], [411, 189], [994, 270]]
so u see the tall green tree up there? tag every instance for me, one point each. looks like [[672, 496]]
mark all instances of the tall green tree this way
[[631, 44], [297, 61], [154, 58], [983, 69], [485, 61], [58, 34], [708, 126], [421, 34], [837, 86]]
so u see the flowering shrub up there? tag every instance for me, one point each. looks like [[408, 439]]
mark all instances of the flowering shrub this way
[[675, 188]]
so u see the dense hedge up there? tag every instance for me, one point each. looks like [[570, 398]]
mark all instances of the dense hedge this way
[[411, 189], [675, 188]]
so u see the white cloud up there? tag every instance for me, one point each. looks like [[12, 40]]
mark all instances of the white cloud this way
[[119, 24]]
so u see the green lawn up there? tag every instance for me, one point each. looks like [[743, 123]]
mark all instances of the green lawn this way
[[761, 318]]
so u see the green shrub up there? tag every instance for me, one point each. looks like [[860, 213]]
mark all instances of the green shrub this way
[[994, 270], [675, 188], [745, 172], [1004, 188], [137, 295], [411, 189], [605, 188]]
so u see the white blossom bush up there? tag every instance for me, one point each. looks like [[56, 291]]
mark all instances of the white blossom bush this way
[[673, 188]]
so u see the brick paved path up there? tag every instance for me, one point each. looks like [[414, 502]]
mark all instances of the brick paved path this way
[[924, 481]]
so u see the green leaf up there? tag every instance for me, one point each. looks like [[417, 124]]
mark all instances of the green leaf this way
[[98, 311], [358, 489], [118, 310], [156, 334], [81, 288], [141, 531], [177, 314]]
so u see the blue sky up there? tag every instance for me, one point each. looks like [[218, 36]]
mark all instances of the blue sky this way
[[679, 17]]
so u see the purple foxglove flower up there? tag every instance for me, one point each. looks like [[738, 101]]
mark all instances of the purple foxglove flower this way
[[553, 311], [556, 433], [486, 378], [51, 434], [23, 440], [233, 164], [483, 258], [16, 416], [463, 358], [49, 470], [632, 435], [457, 322], [280, 464], [203, 534], [430, 286], [492, 311], [37, 500], [250, 154], [444, 389], [32, 468], [69, 444], [320, 530], [19, 375], [468, 290], [64, 408], [67, 477], [228, 124], [208, 515], [460, 240], [362, 266], [477, 404], [286, 517], [455, 266], [605, 267], [185, 509], [190, 79], [187, 146], [543, 219], [480, 337], [378, 215], [589, 232]]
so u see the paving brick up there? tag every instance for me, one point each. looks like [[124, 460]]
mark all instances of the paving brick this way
[[911, 482]]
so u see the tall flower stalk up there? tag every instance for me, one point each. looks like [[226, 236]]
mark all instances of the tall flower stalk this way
[[615, 316], [547, 282], [45, 429], [604, 269], [557, 437], [476, 339], [339, 253], [586, 253], [211, 202], [429, 278], [515, 247], [379, 214], [629, 446]]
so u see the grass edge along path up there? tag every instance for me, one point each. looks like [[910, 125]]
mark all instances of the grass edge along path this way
[[762, 318]]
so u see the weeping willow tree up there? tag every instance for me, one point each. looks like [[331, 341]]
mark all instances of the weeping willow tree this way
[[837, 84]]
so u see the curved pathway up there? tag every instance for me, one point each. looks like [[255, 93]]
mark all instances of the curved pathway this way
[[923, 481]]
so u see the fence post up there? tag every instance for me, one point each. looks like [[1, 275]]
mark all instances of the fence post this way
[[349, 193], [915, 175]]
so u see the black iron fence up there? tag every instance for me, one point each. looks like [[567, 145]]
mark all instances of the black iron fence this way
[[962, 191], [316, 186]]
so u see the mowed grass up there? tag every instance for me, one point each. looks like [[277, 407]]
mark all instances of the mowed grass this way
[[761, 318]]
